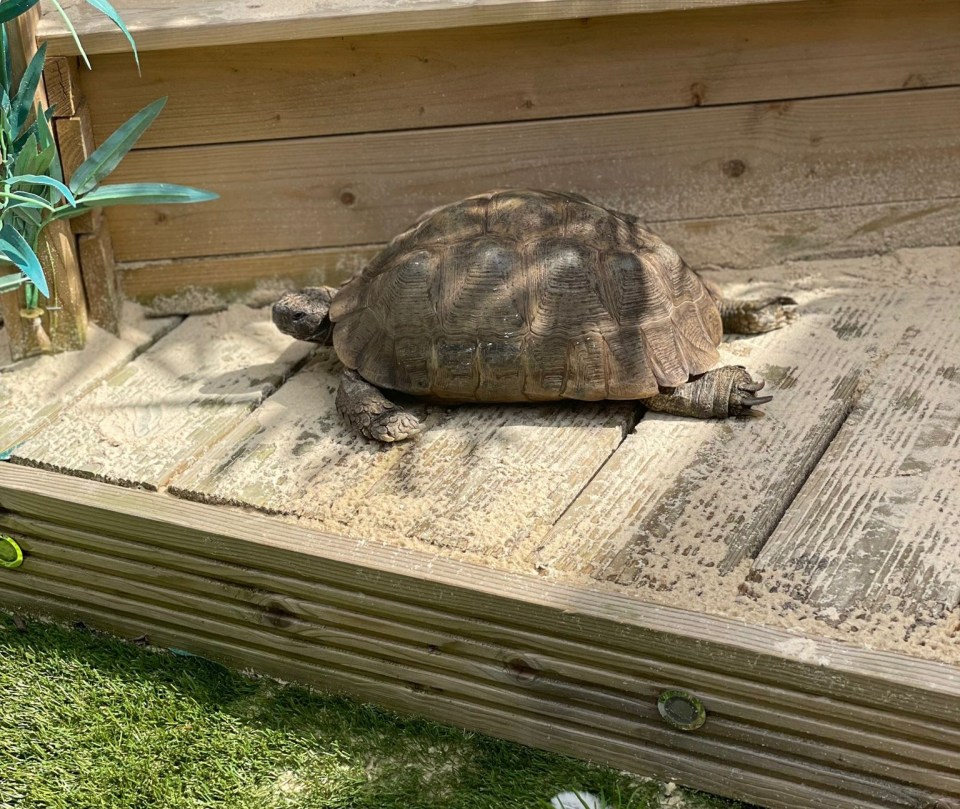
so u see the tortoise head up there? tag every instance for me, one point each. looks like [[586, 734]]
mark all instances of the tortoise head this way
[[305, 315]]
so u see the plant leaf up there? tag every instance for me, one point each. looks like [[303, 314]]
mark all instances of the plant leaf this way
[[109, 11], [25, 198], [16, 250], [11, 9], [108, 156], [5, 68], [23, 102], [8, 283], [73, 32], [38, 179], [26, 161], [135, 194]]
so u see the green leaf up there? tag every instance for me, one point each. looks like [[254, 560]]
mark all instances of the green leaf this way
[[73, 32], [23, 102], [109, 11], [16, 250], [8, 283], [11, 9], [108, 156], [25, 198], [38, 179], [49, 156], [6, 71], [134, 194], [30, 217], [27, 161]]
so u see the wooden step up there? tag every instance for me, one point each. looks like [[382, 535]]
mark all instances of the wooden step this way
[[162, 24]]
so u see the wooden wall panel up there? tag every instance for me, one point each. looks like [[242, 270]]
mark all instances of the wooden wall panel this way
[[530, 71], [672, 165]]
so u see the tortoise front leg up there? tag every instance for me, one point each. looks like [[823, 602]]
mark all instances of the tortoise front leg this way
[[367, 411], [727, 391]]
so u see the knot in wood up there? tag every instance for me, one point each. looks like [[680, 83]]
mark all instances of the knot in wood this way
[[347, 197], [734, 168], [277, 615], [521, 671]]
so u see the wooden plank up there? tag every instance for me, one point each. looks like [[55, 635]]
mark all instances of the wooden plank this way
[[61, 79], [915, 688], [725, 739], [35, 392], [207, 284], [469, 76], [162, 24], [625, 682], [740, 159], [76, 143], [100, 277], [476, 480], [188, 286], [876, 525], [166, 407]]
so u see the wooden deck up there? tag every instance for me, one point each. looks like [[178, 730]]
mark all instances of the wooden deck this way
[[542, 573]]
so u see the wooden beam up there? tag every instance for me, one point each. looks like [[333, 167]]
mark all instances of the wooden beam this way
[[164, 25], [100, 276], [362, 189], [458, 77], [524, 616]]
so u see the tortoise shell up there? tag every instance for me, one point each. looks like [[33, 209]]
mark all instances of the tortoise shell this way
[[516, 296]]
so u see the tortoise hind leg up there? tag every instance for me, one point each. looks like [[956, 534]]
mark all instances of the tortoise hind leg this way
[[305, 314], [727, 391], [367, 411]]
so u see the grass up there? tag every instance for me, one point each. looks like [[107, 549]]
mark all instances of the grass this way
[[88, 721]]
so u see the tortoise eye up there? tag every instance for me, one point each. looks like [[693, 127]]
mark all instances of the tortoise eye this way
[[298, 316]]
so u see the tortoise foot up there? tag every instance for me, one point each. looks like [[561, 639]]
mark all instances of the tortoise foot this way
[[367, 411], [718, 394], [757, 317]]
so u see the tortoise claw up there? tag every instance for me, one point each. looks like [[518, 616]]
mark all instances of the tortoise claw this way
[[751, 401], [752, 387]]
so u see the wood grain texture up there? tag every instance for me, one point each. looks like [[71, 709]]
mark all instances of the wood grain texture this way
[[75, 142], [459, 643], [163, 24], [477, 478], [256, 279], [362, 189], [877, 524], [127, 588], [35, 392], [100, 276], [61, 79], [188, 286], [167, 406], [683, 502], [557, 615], [608, 623], [510, 73]]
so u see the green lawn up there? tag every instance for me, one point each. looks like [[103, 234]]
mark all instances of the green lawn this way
[[89, 721]]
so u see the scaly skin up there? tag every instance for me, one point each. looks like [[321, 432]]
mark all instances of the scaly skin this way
[[718, 394], [367, 411]]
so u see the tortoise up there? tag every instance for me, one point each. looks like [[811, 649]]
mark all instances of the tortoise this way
[[528, 296]]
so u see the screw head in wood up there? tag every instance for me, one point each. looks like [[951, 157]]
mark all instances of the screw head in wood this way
[[681, 710], [10, 554]]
